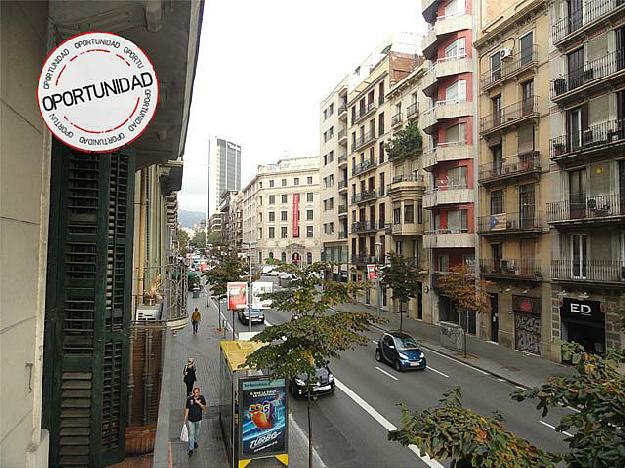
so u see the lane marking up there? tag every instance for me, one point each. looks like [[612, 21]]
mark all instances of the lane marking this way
[[267, 324], [386, 373], [437, 371], [374, 342], [553, 427], [382, 421], [460, 362]]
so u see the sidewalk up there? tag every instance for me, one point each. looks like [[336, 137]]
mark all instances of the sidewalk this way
[[524, 370]]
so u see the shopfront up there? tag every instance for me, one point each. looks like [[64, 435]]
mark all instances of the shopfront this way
[[584, 323], [527, 323]]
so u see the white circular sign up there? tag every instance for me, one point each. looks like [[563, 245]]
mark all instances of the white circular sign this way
[[97, 92]]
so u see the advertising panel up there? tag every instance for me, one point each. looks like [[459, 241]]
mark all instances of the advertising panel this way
[[295, 216], [237, 295], [258, 288], [372, 272], [264, 418]]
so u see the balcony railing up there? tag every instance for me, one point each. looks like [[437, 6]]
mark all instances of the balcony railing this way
[[361, 260], [511, 114], [342, 184], [364, 166], [364, 196], [510, 66], [363, 140], [587, 208], [592, 72], [396, 119], [598, 136], [411, 110], [365, 111], [363, 226], [342, 108], [592, 11], [599, 271], [342, 235], [342, 158], [530, 220], [508, 268], [342, 134], [510, 167], [342, 209]]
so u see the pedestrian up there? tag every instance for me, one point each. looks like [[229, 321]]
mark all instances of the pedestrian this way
[[196, 403], [189, 375], [195, 320]]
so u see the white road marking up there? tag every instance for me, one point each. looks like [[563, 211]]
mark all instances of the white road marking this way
[[374, 342], [459, 362], [267, 324], [386, 373], [575, 410], [382, 421], [553, 427], [437, 371]]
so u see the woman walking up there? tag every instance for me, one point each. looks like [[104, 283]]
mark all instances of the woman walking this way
[[189, 376]]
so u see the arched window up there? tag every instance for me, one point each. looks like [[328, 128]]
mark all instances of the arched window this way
[[270, 254], [283, 257], [309, 258]]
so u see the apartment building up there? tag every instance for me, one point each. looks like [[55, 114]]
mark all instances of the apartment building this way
[[231, 228], [447, 120], [586, 213], [513, 181], [369, 210], [406, 185], [333, 178], [281, 212]]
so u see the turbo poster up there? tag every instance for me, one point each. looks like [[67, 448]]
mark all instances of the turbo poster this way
[[264, 418]]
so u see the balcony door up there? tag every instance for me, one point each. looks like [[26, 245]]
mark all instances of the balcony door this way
[[579, 255], [527, 48], [575, 128], [575, 9], [527, 206], [577, 193], [575, 62], [620, 47]]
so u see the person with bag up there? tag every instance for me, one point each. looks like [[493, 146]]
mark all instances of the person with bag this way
[[189, 376], [196, 404], [195, 320]]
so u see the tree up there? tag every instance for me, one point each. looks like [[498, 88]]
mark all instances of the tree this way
[[405, 143], [467, 292], [183, 240], [214, 237], [403, 279], [199, 240], [229, 269], [597, 392], [299, 346], [469, 439]]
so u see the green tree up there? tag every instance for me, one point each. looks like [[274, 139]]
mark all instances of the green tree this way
[[230, 268], [199, 240], [449, 431], [405, 143], [467, 292], [298, 347], [214, 237], [183, 240], [403, 278], [597, 391]]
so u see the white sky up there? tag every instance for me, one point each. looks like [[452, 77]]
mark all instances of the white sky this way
[[265, 65]]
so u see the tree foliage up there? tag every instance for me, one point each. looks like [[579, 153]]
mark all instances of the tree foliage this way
[[451, 431], [229, 269], [198, 240], [462, 287], [183, 240], [597, 391], [405, 142], [402, 277]]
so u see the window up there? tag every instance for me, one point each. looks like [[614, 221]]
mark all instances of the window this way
[[260, 217], [457, 177], [496, 202], [457, 90], [284, 182], [309, 215], [272, 216], [579, 255], [283, 232], [331, 111], [270, 254], [260, 185], [309, 259], [260, 200], [457, 221], [260, 233], [528, 97], [408, 213], [381, 153], [285, 198], [272, 199], [497, 159], [495, 66], [455, 49], [331, 156], [443, 263], [284, 215], [309, 180], [381, 124], [271, 183], [325, 159], [381, 93], [527, 48], [309, 197], [455, 133], [272, 232], [309, 231], [495, 103], [420, 212], [296, 181], [283, 257], [397, 215]]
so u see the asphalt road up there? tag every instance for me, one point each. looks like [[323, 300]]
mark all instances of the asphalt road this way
[[350, 427]]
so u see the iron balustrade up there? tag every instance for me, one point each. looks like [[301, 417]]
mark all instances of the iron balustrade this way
[[342, 108], [365, 111], [435, 232], [522, 163], [510, 114], [342, 184], [523, 268], [397, 118], [593, 71], [342, 158], [604, 133], [592, 11], [364, 166], [342, 235], [612, 271], [586, 207], [363, 259], [407, 178], [342, 134], [364, 196], [363, 226], [530, 219], [516, 63], [363, 140], [412, 109], [342, 209]]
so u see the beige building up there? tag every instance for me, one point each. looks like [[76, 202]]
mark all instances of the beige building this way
[[513, 180], [281, 212], [232, 223]]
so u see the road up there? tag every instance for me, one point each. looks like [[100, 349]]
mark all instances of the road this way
[[350, 427]]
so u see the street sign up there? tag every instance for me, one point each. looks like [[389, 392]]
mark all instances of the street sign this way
[[97, 92], [372, 272], [237, 295]]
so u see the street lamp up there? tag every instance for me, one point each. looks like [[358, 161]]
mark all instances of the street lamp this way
[[378, 248], [250, 246]]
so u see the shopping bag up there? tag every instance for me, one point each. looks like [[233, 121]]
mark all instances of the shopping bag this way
[[184, 433]]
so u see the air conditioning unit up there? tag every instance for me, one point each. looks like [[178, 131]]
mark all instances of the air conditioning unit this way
[[505, 53]]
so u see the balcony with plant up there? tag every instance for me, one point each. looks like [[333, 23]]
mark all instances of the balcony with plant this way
[[406, 143]]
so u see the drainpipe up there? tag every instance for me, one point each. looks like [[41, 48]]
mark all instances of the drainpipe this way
[[141, 240]]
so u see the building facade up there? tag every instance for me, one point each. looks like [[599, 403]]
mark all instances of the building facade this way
[[281, 212], [513, 175], [231, 230], [447, 121], [586, 213], [224, 170]]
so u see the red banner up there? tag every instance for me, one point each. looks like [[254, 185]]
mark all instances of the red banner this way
[[295, 215], [237, 295]]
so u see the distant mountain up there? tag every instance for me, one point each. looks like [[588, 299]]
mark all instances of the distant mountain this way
[[189, 218]]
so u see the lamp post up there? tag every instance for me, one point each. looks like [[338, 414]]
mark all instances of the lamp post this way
[[250, 246], [378, 248]]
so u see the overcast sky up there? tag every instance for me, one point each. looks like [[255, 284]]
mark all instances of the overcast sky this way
[[265, 65]]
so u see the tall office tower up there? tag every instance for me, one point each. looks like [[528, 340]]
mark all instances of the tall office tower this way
[[224, 170]]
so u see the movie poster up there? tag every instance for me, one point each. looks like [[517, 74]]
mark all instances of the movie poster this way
[[264, 418], [237, 295]]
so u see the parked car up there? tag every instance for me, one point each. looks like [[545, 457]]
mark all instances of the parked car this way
[[270, 270], [400, 350], [323, 384], [257, 316]]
